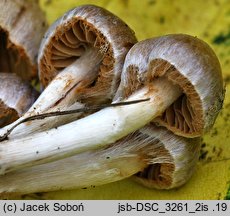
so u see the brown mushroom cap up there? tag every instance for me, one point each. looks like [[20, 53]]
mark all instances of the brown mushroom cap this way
[[189, 63], [175, 161], [22, 25], [80, 29], [16, 97]]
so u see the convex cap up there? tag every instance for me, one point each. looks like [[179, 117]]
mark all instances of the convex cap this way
[[22, 25], [81, 29], [174, 161], [16, 97], [189, 63]]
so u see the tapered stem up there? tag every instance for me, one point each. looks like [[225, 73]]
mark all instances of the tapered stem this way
[[153, 155], [94, 131], [120, 160], [60, 95]]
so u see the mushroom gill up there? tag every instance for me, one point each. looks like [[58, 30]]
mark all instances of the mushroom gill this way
[[159, 175], [7, 115], [181, 115], [13, 58], [69, 44], [185, 114]]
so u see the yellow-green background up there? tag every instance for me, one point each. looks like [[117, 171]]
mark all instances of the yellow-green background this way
[[210, 21]]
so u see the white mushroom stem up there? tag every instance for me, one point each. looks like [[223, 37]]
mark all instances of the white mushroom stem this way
[[59, 95], [120, 160], [94, 131], [137, 154]]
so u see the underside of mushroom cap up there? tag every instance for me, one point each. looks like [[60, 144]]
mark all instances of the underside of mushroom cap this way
[[7, 114], [175, 162], [16, 97], [83, 28], [189, 63], [22, 25]]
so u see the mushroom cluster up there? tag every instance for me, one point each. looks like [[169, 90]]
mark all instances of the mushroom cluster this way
[[111, 108], [19, 42]]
